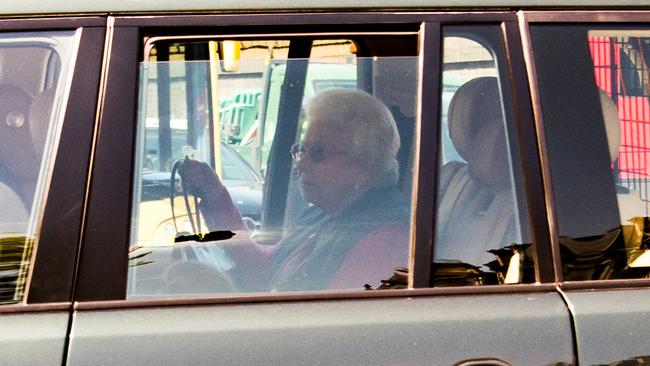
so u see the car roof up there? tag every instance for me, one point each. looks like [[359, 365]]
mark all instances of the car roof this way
[[39, 7]]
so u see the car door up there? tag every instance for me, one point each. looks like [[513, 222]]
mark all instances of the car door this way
[[597, 153], [49, 84], [164, 301]]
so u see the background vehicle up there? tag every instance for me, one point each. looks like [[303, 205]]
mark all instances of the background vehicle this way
[[243, 183], [249, 119]]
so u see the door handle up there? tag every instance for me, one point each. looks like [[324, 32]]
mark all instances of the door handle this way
[[482, 362]]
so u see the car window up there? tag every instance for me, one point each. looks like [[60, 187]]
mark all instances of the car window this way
[[597, 145], [482, 228], [258, 172], [34, 77]]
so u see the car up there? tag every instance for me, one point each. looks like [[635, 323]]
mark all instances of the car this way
[[507, 226]]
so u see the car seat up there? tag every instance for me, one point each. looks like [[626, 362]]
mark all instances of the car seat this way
[[475, 197], [40, 114], [629, 200], [13, 215], [22, 139], [18, 165]]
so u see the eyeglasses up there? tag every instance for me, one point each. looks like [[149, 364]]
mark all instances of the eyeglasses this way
[[316, 153]]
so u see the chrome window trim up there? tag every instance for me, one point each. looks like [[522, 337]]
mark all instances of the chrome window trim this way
[[584, 16], [35, 308], [605, 284], [312, 296], [541, 143]]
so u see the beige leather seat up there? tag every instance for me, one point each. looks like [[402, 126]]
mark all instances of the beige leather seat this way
[[23, 127], [17, 158], [629, 200], [13, 214], [40, 114], [475, 198]]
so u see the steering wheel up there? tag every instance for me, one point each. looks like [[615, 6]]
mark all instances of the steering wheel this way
[[178, 167]]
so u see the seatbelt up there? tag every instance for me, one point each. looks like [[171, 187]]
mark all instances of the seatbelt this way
[[453, 180]]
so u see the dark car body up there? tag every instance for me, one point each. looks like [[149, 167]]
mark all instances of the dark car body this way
[[86, 279]]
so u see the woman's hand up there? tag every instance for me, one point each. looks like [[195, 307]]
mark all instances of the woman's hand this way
[[201, 180], [217, 207]]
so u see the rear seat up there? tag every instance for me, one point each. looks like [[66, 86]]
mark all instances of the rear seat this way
[[475, 198]]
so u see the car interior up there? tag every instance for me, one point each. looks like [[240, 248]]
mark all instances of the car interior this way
[[478, 192], [25, 103], [391, 77]]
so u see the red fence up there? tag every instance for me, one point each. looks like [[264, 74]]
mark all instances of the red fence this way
[[620, 69]]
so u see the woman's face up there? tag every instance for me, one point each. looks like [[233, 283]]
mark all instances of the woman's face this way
[[330, 177]]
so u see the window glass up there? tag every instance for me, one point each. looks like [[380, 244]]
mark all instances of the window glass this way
[[621, 74], [595, 111], [257, 172], [481, 228], [35, 69]]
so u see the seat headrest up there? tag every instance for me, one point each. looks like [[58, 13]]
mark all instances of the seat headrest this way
[[39, 117], [612, 124], [477, 130]]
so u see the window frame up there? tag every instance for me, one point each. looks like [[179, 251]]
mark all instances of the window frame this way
[[103, 269], [52, 266], [602, 18]]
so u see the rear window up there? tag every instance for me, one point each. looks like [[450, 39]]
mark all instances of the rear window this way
[[594, 93]]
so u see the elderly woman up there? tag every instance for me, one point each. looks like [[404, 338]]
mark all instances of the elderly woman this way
[[355, 231]]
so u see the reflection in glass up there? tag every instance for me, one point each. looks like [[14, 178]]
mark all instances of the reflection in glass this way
[[479, 238], [346, 214], [35, 73], [598, 146], [621, 73]]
